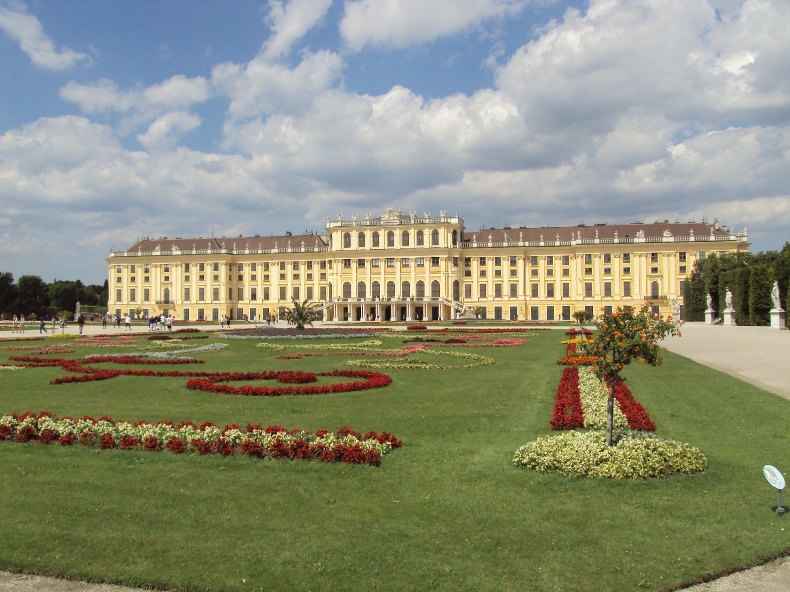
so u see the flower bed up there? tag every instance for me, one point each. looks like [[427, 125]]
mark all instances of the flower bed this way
[[633, 456], [215, 383], [344, 445], [568, 413]]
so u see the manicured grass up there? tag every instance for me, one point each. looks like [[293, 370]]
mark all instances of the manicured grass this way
[[448, 511]]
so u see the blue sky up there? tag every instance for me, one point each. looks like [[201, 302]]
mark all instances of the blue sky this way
[[192, 118]]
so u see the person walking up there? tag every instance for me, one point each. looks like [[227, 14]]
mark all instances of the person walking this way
[[54, 325], [104, 321], [128, 322], [42, 326], [81, 322]]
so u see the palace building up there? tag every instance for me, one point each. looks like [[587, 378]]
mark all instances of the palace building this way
[[413, 268]]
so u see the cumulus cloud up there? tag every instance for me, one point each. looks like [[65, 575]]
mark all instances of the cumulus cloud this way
[[401, 23], [290, 21], [26, 29]]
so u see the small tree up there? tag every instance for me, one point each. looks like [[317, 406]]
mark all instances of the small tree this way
[[304, 313], [582, 316], [623, 336]]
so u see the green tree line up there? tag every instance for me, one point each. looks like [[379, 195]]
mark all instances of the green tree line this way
[[30, 295], [749, 276]]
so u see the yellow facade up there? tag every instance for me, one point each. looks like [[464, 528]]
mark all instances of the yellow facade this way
[[405, 267]]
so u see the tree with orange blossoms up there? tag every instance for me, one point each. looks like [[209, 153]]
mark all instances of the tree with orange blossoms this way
[[623, 336]]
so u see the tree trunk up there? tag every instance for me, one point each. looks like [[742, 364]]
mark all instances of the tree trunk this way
[[610, 413]]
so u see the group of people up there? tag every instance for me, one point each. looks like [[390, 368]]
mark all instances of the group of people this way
[[160, 323]]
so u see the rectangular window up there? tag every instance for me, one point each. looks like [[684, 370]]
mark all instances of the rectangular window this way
[[534, 313], [186, 278], [360, 263], [282, 292], [513, 260], [588, 271], [322, 293], [467, 291], [626, 257], [265, 293], [148, 279], [534, 272], [566, 313], [654, 270], [253, 293], [588, 289], [566, 260], [434, 262], [482, 273], [607, 289], [132, 279], [420, 261], [549, 290], [118, 293], [497, 290], [549, 272], [533, 260], [467, 263], [607, 310], [513, 290], [201, 314], [702, 255], [186, 314], [295, 265], [682, 287], [588, 259], [549, 313], [549, 259], [482, 290], [626, 289], [309, 294], [187, 294], [240, 267], [653, 257], [455, 261], [296, 292], [201, 294], [215, 267], [497, 261], [146, 294], [607, 258], [132, 294], [216, 277], [482, 260], [240, 294], [282, 277], [282, 265], [467, 273], [390, 262], [514, 272], [534, 290], [240, 278], [566, 272], [497, 273], [215, 294], [607, 271], [131, 268], [230, 293], [626, 270], [404, 262], [375, 262], [682, 256], [253, 266], [346, 263], [309, 265], [682, 269], [566, 290]]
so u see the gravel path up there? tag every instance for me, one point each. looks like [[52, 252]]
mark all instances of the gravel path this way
[[757, 355]]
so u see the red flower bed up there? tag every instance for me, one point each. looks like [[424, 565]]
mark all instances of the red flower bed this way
[[296, 377], [568, 413], [213, 383], [638, 418]]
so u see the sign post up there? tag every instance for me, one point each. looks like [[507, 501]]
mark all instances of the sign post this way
[[776, 480]]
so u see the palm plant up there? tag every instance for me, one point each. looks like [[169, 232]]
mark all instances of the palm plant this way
[[303, 313]]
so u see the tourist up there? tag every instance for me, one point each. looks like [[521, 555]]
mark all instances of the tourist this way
[[222, 322], [21, 323], [169, 322], [16, 324], [81, 322], [42, 327], [54, 325], [128, 322], [104, 321], [62, 324]]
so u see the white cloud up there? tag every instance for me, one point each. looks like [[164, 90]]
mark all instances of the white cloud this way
[[290, 21], [401, 23], [165, 131], [28, 32]]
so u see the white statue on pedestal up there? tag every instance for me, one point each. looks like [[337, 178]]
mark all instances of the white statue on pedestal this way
[[728, 299], [710, 303], [777, 303]]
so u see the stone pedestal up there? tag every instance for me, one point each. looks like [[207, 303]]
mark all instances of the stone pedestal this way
[[778, 319], [710, 316], [728, 317]]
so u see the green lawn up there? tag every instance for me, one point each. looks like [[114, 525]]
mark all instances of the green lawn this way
[[448, 511]]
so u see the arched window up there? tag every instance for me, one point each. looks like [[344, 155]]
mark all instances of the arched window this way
[[404, 238], [456, 290], [420, 289], [361, 239], [434, 237], [346, 289], [455, 238], [654, 292], [390, 239], [390, 289], [405, 290], [361, 290], [420, 238], [166, 295], [375, 290], [347, 240], [375, 239], [435, 289]]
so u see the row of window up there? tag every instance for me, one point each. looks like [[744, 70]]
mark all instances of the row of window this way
[[405, 239]]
